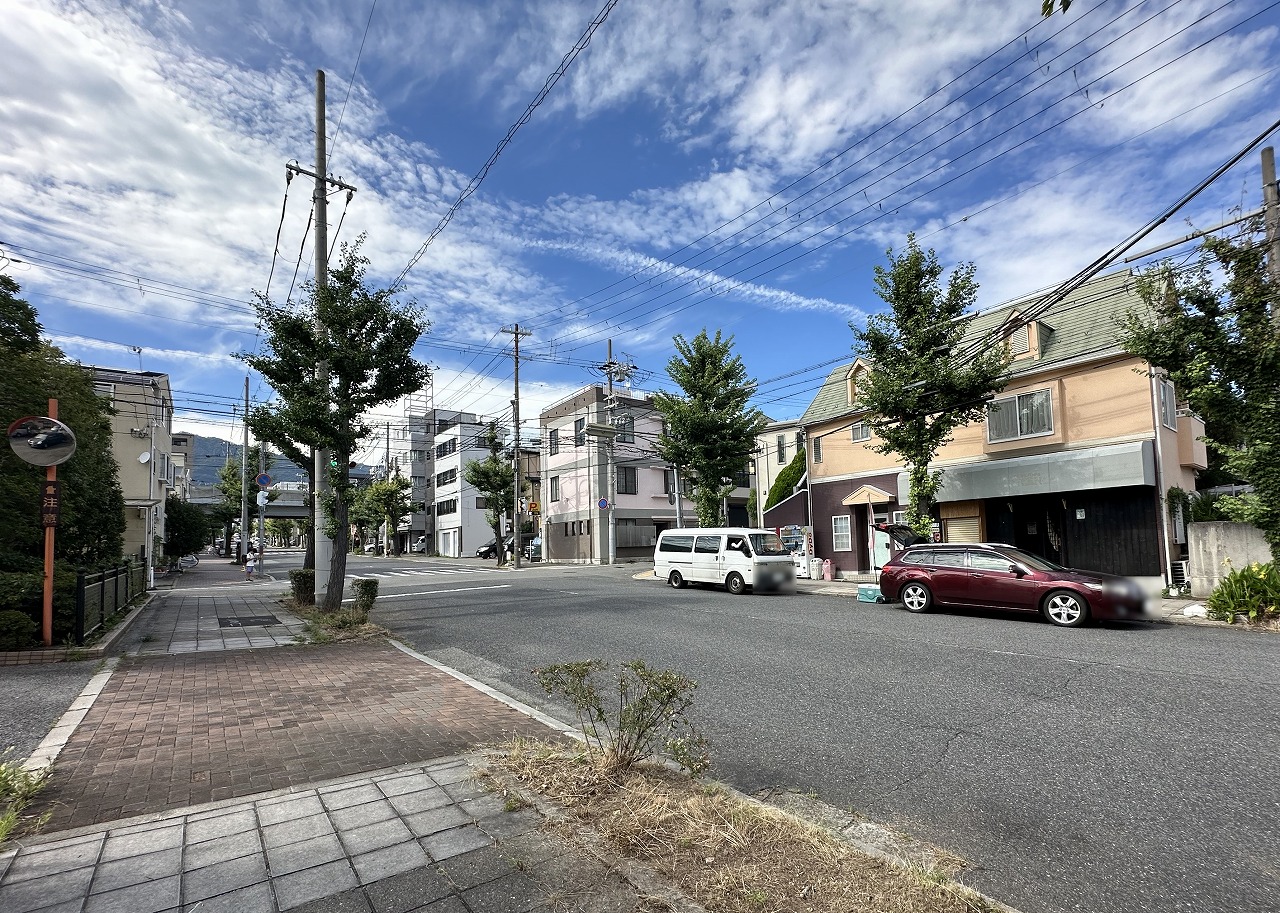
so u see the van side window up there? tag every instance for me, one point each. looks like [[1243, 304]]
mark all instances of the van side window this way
[[676, 544], [708, 545]]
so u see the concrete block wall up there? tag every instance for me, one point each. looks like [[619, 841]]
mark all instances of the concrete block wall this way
[[1210, 544]]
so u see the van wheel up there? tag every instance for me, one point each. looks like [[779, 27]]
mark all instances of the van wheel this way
[[734, 584], [675, 580]]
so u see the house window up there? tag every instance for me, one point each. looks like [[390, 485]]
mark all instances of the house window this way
[[1020, 341], [841, 538], [579, 432], [742, 478], [1168, 405], [417, 456], [448, 477], [1024, 415], [627, 480], [555, 488], [447, 507], [482, 504], [553, 443], [626, 429], [816, 448], [861, 431], [448, 447], [781, 446]]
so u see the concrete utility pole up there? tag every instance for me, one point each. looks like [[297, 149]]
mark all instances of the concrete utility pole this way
[[320, 198], [621, 371], [1271, 218], [516, 333], [262, 509], [244, 479]]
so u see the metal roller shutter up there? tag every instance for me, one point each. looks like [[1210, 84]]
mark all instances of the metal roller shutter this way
[[961, 529]]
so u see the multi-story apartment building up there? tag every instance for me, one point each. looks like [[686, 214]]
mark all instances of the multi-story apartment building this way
[[579, 490], [458, 509], [142, 441], [1073, 460]]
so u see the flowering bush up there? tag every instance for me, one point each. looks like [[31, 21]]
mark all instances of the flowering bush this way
[[1253, 591]]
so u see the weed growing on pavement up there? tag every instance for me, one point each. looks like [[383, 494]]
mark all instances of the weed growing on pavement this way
[[726, 852], [650, 715], [333, 627], [18, 786]]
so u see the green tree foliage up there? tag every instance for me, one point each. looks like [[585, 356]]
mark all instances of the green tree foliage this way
[[787, 480], [186, 527], [91, 526], [230, 486], [917, 392], [1213, 329], [494, 479], [710, 431], [366, 340], [390, 501], [1048, 6]]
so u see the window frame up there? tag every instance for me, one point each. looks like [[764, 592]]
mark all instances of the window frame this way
[[837, 535], [632, 485], [860, 432], [780, 449], [815, 448], [1168, 404], [1015, 400], [579, 432], [554, 488], [553, 441]]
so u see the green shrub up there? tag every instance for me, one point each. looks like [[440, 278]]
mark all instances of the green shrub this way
[[18, 787], [303, 583], [651, 712], [366, 592], [787, 480], [17, 630], [1253, 591]]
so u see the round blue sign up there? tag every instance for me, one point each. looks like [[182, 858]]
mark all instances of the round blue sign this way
[[264, 480], [603, 504]]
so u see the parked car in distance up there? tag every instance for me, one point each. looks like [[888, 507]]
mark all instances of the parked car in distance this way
[[993, 575], [46, 439], [419, 545], [373, 548], [489, 549]]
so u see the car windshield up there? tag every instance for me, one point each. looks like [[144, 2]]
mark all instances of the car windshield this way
[[1033, 561], [767, 544]]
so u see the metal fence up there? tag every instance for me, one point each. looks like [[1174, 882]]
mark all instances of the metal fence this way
[[100, 595]]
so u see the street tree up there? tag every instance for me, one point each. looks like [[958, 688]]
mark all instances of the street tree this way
[[494, 479], [231, 489], [390, 501], [364, 338], [1214, 330], [709, 430], [918, 391], [276, 424], [92, 520], [186, 528]]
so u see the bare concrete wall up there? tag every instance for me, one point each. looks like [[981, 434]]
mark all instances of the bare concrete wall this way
[[1210, 544]]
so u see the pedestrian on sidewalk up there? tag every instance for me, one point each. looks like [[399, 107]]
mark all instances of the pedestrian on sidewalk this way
[[250, 565]]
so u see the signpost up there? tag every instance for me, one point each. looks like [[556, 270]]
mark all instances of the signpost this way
[[45, 441]]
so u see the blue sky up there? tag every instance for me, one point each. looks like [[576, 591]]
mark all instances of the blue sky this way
[[738, 166]]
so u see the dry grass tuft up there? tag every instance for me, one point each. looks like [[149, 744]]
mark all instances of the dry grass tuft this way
[[334, 627], [728, 854]]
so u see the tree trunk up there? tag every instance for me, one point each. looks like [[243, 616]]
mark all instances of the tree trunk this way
[[341, 541]]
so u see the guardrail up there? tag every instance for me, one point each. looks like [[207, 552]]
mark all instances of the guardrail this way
[[100, 595]]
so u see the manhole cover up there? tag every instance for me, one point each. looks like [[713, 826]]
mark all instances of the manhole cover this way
[[248, 621]]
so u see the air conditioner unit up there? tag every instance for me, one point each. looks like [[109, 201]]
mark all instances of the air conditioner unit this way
[[1181, 573]]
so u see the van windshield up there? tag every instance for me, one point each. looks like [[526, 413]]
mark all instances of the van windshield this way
[[767, 544]]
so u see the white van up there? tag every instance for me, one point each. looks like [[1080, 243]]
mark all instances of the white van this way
[[735, 557]]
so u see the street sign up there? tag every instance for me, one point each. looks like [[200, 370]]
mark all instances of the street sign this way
[[535, 507], [262, 499], [263, 480], [50, 503], [603, 504]]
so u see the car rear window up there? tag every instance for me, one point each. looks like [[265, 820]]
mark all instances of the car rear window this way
[[676, 544], [920, 557], [948, 559]]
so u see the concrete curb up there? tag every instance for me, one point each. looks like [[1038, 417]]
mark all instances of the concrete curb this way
[[48, 750]]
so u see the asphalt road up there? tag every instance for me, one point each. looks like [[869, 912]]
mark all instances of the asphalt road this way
[[34, 698], [1117, 768]]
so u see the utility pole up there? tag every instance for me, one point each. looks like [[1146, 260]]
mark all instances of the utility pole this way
[[620, 371], [244, 479], [386, 477], [1271, 218], [262, 509], [516, 333], [320, 199]]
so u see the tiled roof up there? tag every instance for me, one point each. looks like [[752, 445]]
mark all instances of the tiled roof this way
[[1085, 323]]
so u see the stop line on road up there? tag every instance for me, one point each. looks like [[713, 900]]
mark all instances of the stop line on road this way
[[424, 572]]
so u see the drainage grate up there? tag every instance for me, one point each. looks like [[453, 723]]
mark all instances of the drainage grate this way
[[247, 621]]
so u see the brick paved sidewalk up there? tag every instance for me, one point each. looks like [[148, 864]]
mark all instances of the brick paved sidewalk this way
[[171, 731]]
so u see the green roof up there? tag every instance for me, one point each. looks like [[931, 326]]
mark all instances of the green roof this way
[[1085, 323]]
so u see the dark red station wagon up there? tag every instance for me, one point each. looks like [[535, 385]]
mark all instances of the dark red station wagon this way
[[1003, 577]]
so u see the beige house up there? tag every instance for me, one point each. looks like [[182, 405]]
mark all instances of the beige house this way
[[1072, 461], [142, 441]]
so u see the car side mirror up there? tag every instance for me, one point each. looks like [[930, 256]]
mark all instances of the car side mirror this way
[[1015, 569]]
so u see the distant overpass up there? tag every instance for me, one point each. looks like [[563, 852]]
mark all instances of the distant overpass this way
[[289, 500]]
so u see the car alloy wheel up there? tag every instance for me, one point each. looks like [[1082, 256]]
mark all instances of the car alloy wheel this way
[[916, 597], [735, 585], [1065, 608], [675, 580]]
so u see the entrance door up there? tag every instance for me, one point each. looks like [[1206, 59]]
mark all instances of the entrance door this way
[[879, 541]]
